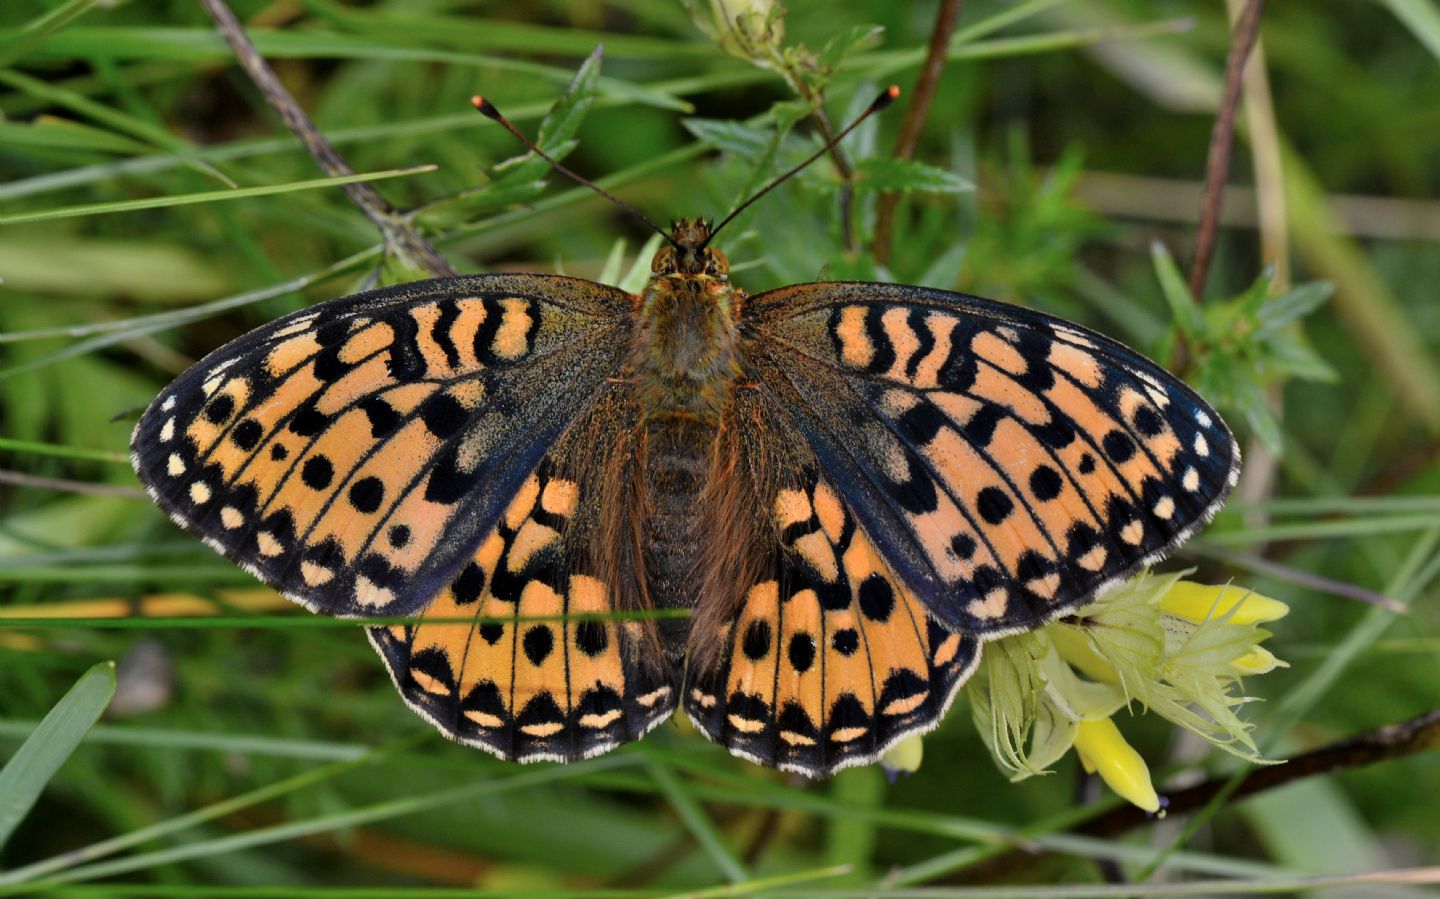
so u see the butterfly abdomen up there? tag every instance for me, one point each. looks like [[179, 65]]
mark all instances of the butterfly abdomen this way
[[676, 466]]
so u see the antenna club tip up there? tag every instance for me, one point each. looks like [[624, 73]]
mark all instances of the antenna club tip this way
[[486, 108], [888, 96]]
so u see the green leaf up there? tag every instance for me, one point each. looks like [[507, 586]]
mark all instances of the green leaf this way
[[633, 281], [908, 176], [857, 38], [51, 743], [1250, 400], [1188, 316], [732, 138], [1294, 304], [564, 118], [522, 178], [1291, 355]]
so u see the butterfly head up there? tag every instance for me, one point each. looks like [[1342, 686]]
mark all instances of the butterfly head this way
[[688, 255]]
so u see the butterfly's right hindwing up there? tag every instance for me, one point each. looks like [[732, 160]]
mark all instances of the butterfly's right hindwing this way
[[354, 454]]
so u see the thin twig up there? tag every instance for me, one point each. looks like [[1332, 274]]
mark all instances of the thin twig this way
[[1392, 741], [1222, 140], [37, 482], [915, 115], [403, 241]]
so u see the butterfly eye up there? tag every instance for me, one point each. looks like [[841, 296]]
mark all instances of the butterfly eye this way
[[716, 263], [664, 260]]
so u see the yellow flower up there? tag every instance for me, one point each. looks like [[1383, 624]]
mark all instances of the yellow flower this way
[[1176, 648], [1202, 602], [1103, 751], [1258, 660], [904, 757]]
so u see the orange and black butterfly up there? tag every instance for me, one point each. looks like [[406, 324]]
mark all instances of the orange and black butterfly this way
[[850, 486]]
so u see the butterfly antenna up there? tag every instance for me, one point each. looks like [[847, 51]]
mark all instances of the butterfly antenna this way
[[488, 110], [885, 99]]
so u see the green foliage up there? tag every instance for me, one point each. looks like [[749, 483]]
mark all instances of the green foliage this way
[[521, 179], [261, 750], [31, 767], [1244, 345]]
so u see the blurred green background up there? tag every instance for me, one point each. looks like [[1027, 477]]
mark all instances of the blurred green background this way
[[1067, 139]]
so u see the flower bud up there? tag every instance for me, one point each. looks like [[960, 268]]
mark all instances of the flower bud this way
[[1258, 660], [1103, 751]]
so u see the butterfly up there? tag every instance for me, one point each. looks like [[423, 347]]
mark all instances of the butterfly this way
[[849, 487]]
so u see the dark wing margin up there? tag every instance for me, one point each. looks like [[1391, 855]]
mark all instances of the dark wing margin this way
[[1007, 464], [354, 454]]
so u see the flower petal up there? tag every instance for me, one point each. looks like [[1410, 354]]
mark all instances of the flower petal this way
[[1102, 749], [1202, 602]]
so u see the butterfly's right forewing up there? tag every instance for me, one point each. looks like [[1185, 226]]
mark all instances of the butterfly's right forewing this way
[[354, 454]]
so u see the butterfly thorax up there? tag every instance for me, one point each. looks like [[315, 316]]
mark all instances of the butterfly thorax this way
[[684, 354]]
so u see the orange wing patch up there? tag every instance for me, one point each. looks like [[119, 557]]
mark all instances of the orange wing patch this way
[[536, 666], [832, 661]]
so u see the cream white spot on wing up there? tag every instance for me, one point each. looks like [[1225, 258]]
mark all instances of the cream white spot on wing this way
[[372, 595], [168, 404], [315, 575], [199, 492], [484, 719], [1190, 480], [231, 518], [1202, 446], [1133, 532], [175, 465], [167, 430]]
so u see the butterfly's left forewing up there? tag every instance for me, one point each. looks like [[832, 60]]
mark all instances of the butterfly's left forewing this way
[[1007, 464]]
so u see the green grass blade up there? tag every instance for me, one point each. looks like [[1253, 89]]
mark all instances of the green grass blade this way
[[337, 821], [142, 835], [1422, 17], [141, 326], [62, 452], [17, 43], [696, 821], [50, 744], [209, 196]]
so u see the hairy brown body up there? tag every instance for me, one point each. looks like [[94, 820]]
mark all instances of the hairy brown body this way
[[689, 503]]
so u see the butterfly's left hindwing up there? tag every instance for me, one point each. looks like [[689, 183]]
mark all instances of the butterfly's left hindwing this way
[[523, 655], [354, 454], [1008, 465]]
